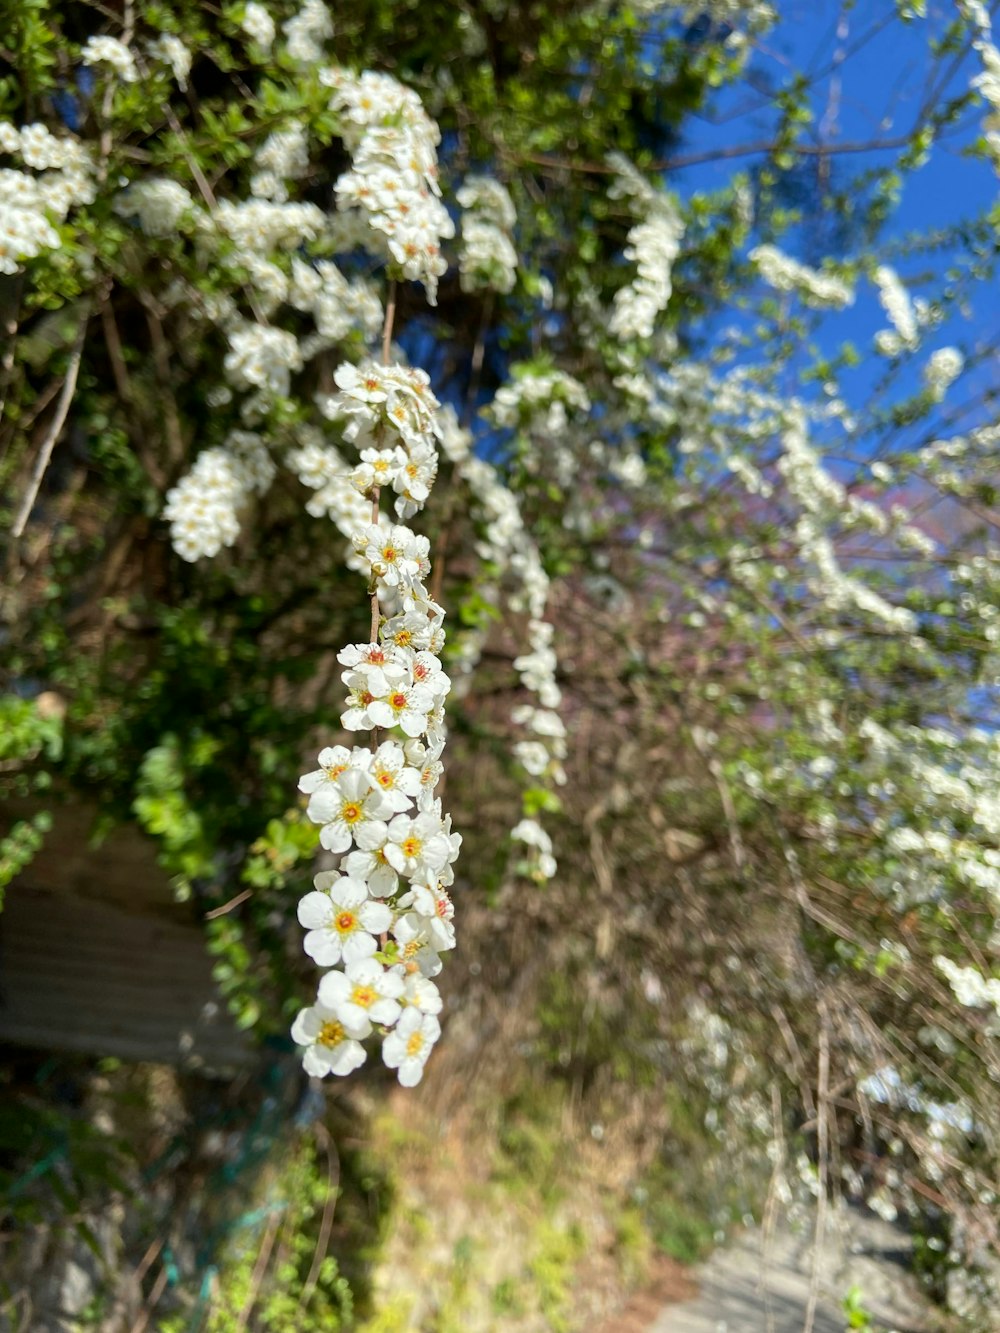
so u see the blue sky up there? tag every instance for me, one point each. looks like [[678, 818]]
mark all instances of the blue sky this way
[[871, 77]]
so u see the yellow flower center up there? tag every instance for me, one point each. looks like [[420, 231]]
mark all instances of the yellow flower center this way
[[415, 1044], [330, 1034], [397, 701], [350, 812], [411, 846], [383, 777], [364, 996], [345, 922], [404, 637]]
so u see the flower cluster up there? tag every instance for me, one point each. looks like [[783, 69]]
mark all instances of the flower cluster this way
[[653, 245], [29, 204], [306, 30], [896, 303], [394, 174], [385, 916], [170, 50], [110, 51], [388, 413], [283, 156], [987, 83], [258, 25], [160, 204], [814, 288], [488, 260], [202, 509], [942, 370]]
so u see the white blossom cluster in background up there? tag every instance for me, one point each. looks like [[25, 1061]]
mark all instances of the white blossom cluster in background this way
[[382, 920], [510, 559], [171, 51], [487, 260], [942, 370], [653, 245], [540, 407], [393, 179], [32, 206], [258, 25], [814, 288], [114, 54], [986, 83], [907, 317], [306, 31], [203, 508], [283, 157]]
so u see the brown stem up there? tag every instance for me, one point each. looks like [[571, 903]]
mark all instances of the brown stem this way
[[390, 319], [55, 429]]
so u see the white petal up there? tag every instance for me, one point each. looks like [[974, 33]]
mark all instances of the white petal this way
[[315, 911]]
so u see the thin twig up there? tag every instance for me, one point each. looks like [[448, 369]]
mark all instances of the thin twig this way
[[159, 1286], [478, 357], [161, 363], [259, 1269], [55, 429], [228, 907], [7, 364], [326, 1222], [822, 1148]]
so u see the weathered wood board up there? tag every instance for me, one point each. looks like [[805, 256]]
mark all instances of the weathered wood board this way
[[97, 958]]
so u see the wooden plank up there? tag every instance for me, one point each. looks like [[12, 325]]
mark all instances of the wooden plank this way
[[82, 975]]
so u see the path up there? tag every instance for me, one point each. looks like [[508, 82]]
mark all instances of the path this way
[[741, 1293]]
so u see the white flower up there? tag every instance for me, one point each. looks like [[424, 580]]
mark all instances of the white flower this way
[[417, 951], [377, 701], [364, 993], [306, 30], [418, 847], [368, 861], [258, 25], [427, 671], [342, 920], [898, 306], [378, 468], [941, 371], [172, 51], [333, 760], [159, 204], [110, 51], [409, 1044], [345, 806], [367, 657], [488, 258], [409, 707], [330, 1049], [202, 507], [820, 290], [422, 994], [391, 554], [262, 357], [398, 783]]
